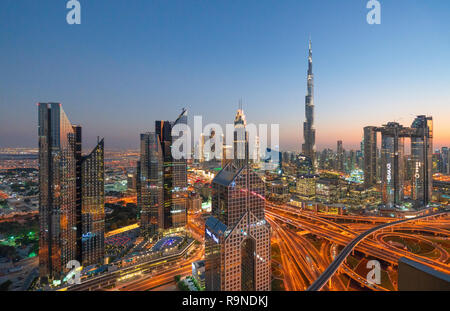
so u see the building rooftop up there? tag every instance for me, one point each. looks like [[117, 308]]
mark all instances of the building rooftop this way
[[199, 263], [426, 269], [215, 225], [227, 175]]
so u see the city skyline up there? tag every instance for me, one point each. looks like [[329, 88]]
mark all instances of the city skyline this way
[[192, 146], [366, 74]]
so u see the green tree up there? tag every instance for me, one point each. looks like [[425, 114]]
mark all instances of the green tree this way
[[182, 286]]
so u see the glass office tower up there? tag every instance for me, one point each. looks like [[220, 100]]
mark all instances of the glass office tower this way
[[340, 157], [422, 152], [71, 196], [237, 236], [392, 164], [93, 206], [309, 131], [150, 185], [370, 156], [174, 176], [179, 183], [57, 192]]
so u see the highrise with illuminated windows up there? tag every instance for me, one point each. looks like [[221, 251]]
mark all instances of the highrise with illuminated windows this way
[[93, 206], [237, 236], [57, 192], [340, 156], [71, 198], [392, 164], [309, 132], [370, 156], [421, 153], [174, 176], [150, 184]]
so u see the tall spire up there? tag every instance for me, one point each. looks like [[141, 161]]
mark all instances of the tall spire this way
[[310, 58], [309, 132]]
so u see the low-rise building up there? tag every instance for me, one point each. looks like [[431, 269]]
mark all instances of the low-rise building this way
[[306, 187], [198, 273]]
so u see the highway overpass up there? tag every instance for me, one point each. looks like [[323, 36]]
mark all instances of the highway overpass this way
[[334, 266]]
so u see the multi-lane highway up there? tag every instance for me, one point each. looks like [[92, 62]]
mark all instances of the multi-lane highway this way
[[306, 263], [293, 229], [182, 267], [337, 262]]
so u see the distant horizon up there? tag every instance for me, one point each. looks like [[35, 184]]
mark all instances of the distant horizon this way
[[91, 144]]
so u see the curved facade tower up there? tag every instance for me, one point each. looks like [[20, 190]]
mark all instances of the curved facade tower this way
[[309, 132], [150, 184], [174, 176], [71, 197], [93, 206], [57, 192]]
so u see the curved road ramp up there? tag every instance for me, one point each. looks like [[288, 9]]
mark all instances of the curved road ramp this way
[[334, 266]]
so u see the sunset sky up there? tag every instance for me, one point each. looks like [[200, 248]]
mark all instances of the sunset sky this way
[[132, 62]]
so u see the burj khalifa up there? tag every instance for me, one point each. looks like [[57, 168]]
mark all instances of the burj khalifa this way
[[309, 132]]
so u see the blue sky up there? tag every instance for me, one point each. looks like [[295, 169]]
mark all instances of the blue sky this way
[[131, 62]]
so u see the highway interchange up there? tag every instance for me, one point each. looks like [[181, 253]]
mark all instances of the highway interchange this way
[[314, 249]]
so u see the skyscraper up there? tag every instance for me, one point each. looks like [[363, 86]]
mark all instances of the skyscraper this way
[[446, 160], [150, 185], [351, 162], [448, 163], [370, 156], [237, 236], [240, 142], [78, 152], [309, 132], [443, 168], [57, 192], [174, 176], [93, 206], [422, 152], [340, 156], [392, 164], [71, 196]]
